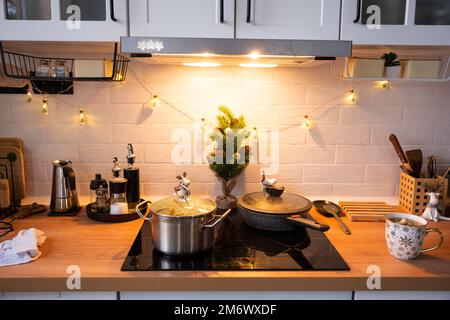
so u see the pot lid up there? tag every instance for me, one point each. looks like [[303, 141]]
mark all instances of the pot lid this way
[[287, 203], [171, 207]]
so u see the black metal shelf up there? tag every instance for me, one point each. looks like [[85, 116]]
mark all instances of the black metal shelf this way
[[22, 66]]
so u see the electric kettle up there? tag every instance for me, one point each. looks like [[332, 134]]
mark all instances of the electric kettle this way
[[64, 194]]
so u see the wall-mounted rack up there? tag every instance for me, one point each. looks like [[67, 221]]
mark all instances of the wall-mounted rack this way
[[22, 66], [343, 72]]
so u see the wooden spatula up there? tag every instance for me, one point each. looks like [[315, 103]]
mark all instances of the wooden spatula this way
[[406, 167], [415, 161]]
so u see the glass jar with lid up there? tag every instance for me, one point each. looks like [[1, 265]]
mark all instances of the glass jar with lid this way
[[44, 68], [60, 69]]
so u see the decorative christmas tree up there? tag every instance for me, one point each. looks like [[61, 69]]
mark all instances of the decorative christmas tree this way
[[231, 153]]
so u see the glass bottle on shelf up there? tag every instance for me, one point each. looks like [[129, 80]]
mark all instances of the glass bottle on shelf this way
[[60, 69], [43, 69]]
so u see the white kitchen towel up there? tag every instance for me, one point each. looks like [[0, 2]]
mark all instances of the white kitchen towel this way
[[23, 248]]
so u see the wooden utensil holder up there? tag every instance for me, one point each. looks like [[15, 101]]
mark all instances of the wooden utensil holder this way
[[412, 196]]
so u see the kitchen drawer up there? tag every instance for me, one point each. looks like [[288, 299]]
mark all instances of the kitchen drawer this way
[[66, 295], [402, 295], [31, 296], [237, 295], [94, 295]]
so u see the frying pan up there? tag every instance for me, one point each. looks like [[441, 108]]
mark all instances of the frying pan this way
[[277, 213]]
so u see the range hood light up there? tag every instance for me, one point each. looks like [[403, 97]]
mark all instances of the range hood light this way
[[202, 64], [205, 54], [254, 55], [258, 65]]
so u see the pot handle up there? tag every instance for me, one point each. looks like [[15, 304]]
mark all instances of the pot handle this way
[[139, 211], [306, 223], [212, 225]]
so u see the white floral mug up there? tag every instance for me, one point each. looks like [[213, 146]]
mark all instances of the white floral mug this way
[[404, 241]]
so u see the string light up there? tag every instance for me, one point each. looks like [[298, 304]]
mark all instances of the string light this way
[[29, 96], [83, 118], [308, 122], [155, 101], [352, 96], [253, 135], [44, 107], [384, 84], [203, 124]]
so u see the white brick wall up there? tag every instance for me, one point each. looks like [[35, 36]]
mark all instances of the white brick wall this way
[[347, 154]]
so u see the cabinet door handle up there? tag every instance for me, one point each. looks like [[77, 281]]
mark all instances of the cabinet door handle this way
[[249, 11], [358, 12], [111, 10], [221, 19]]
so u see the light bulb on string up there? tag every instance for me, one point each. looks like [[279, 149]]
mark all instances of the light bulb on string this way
[[352, 96], [83, 119], [44, 107], [253, 135], [203, 124], [152, 102], [308, 122], [384, 84], [155, 101], [29, 96]]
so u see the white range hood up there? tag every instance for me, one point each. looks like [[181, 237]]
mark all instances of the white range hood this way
[[258, 53]]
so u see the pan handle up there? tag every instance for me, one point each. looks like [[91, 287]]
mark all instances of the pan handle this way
[[212, 225], [306, 223], [140, 213]]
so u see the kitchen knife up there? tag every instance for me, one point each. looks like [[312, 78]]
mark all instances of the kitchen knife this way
[[406, 167]]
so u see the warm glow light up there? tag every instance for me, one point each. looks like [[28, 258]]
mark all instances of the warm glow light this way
[[29, 96], [203, 124], [258, 65], [44, 107], [155, 101], [254, 55], [202, 64], [383, 84], [205, 54], [352, 96], [83, 119], [308, 122]]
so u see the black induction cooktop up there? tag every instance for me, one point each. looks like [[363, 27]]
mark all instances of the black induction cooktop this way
[[240, 247]]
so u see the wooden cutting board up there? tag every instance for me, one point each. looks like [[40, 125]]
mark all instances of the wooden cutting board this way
[[12, 142], [19, 171], [367, 211]]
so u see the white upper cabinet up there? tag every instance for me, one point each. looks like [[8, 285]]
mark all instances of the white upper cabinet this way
[[288, 19], [181, 18], [63, 20], [401, 22]]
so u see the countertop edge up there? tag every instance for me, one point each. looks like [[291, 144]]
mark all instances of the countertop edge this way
[[231, 284]]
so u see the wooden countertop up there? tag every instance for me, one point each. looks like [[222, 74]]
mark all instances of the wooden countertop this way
[[99, 250]]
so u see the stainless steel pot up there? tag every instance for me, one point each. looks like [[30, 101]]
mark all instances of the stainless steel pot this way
[[182, 228]]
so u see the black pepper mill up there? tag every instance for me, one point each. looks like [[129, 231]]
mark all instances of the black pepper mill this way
[[131, 173]]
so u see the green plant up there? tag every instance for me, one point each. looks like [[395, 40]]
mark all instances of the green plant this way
[[390, 59], [229, 166]]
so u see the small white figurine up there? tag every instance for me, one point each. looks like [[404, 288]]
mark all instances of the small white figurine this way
[[269, 187], [267, 182], [182, 191], [431, 212]]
